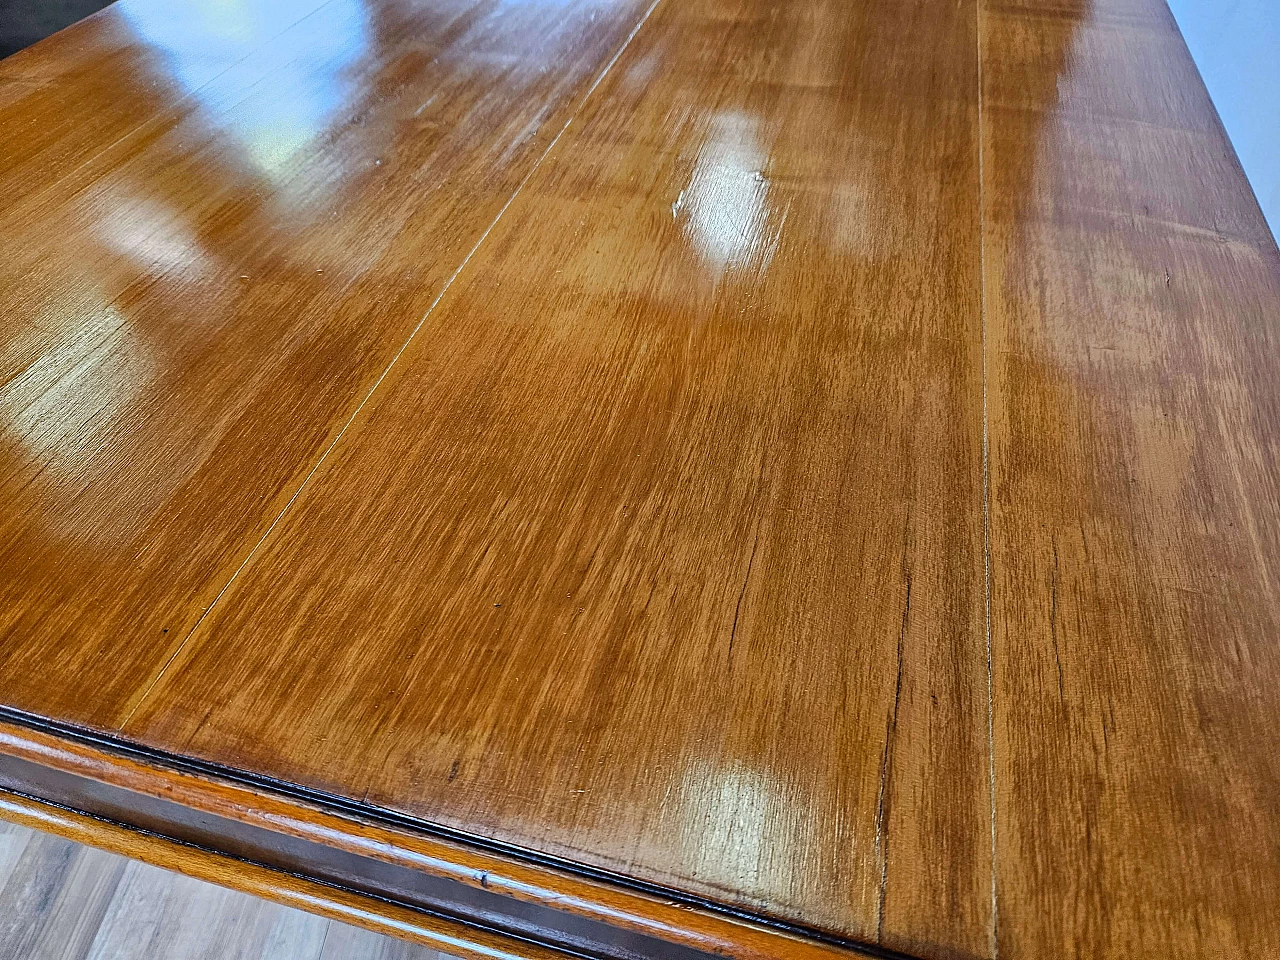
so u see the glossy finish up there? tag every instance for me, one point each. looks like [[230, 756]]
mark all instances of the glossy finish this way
[[832, 476], [595, 559], [195, 308], [378, 858], [1133, 343]]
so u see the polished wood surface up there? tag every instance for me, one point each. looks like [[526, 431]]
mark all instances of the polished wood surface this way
[[1133, 343], [192, 314], [593, 560], [261, 824], [818, 459], [66, 901]]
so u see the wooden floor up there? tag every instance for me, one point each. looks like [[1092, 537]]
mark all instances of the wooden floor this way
[[814, 463], [63, 901]]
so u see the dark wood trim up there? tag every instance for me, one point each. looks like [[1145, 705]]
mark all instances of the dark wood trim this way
[[531, 905], [430, 930]]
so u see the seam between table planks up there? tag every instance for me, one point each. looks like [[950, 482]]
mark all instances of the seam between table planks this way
[[133, 706], [986, 486]]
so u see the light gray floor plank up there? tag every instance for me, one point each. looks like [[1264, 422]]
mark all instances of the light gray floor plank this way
[[63, 901]]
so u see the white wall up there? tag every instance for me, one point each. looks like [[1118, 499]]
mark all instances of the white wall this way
[[1236, 45]]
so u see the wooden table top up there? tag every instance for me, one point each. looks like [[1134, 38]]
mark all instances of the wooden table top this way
[[813, 464]]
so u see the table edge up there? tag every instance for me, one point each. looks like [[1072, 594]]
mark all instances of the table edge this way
[[362, 864]]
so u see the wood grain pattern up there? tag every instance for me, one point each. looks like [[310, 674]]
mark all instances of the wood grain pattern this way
[[188, 317], [839, 485], [1133, 316], [65, 901], [120, 82], [647, 554], [53, 895], [204, 797]]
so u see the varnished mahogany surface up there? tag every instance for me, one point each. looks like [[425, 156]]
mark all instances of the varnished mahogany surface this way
[[600, 553], [815, 457], [196, 306], [1133, 389], [526, 903]]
